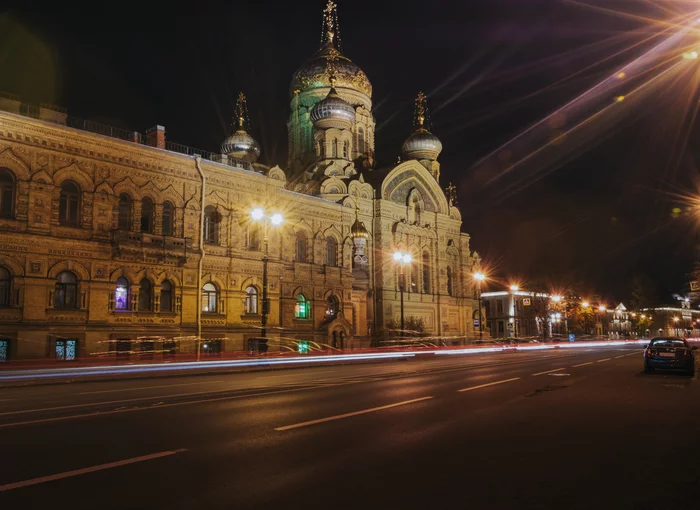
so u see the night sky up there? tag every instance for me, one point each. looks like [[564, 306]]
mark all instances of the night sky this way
[[596, 216]]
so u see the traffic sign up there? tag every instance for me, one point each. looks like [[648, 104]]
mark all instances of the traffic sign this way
[[303, 347], [476, 323], [694, 285], [511, 327], [526, 301], [572, 337]]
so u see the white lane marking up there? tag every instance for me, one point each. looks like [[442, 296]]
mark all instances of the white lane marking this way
[[604, 359], [548, 371], [348, 415], [488, 384], [147, 387], [584, 364], [76, 472]]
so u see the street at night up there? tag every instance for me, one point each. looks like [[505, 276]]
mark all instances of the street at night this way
[[564, 428]]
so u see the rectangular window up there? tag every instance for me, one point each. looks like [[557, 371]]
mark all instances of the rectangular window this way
[[499, 306], [4, 350], [66, 349]]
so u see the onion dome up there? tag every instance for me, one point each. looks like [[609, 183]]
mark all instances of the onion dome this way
[[422, 144], [240, 144], [313, 73], [358, 230], [333, 111]]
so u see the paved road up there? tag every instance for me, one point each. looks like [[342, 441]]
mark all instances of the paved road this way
[[567, 429]]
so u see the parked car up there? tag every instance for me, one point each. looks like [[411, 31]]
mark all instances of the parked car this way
[[669, 353]]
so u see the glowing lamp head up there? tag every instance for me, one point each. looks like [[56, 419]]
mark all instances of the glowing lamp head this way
[[257, 214], [634, 314], [676, 319], [644, 316], [585, 304], [556, 299], [479, 277], [602, 308], [398, 256], [406, 258], [514, 288], [276, 219]]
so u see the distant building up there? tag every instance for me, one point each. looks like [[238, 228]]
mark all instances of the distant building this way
[[674, 321]]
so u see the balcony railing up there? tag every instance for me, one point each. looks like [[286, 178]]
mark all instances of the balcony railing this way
[[176, 245]]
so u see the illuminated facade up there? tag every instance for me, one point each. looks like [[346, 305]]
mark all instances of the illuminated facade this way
[[114, 242]]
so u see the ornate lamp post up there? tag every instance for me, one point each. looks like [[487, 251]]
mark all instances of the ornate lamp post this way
[[276, 219], [403, 259], [479, 277], [512, 310]]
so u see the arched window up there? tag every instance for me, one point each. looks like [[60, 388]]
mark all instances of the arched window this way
[[66, 291], [251, 300], [145, 295], [301, 309], [124, 212], [7, 194], [254, 236], [449, 280], [321, 149], [331, 251], [332, 306], [415, 282], [360, 140], [211, 225], [334, 148], [5, 285], [417, 212], [69, 204], [346, 149], [147, 215], [121, 294], [210, 298], [166, 296], [167, 218], [426, 272], [300, 252]]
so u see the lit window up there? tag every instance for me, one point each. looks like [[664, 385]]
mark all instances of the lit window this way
[[121, 294], [301, 309], [66, 349], [211, 225], [332, 307]]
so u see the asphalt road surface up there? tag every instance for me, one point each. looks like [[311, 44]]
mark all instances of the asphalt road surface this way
[[564, 429]]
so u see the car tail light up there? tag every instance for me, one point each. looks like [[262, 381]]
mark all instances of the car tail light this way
[[647, 353], [687, 352]]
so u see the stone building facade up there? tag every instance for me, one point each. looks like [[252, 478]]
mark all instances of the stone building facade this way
[[113, 243]]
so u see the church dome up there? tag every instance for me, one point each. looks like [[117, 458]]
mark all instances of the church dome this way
[[241, 145], [422, 144], [313, 74], [333, 111], [358, 230]]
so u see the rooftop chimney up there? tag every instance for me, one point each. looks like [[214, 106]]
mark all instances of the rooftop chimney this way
[[155, 137]]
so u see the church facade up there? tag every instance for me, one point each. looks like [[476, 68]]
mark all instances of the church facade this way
[[116, 243]]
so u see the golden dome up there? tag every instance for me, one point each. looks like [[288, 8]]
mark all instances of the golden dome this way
[[314, 73]]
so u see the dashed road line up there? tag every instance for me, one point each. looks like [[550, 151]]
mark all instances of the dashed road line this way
[[583, 364], [548, 371], [489, 384], [76, 472], [604, 359], [348, 415]]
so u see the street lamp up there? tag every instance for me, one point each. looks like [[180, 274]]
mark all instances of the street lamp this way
[[585, 304], [275, 219], [402, 259], [479, 277], [513, 289]]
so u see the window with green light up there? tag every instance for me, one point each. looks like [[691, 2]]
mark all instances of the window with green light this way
[[301, 309]]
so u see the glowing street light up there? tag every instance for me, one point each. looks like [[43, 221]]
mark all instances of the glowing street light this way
[[403, 259], [275, 219], [602, 308], [585, 304], [514, 288], [556, 299], [478, 278]]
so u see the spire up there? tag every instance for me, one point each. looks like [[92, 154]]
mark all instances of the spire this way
[[420, 112], [330, 31], [241, 121]]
